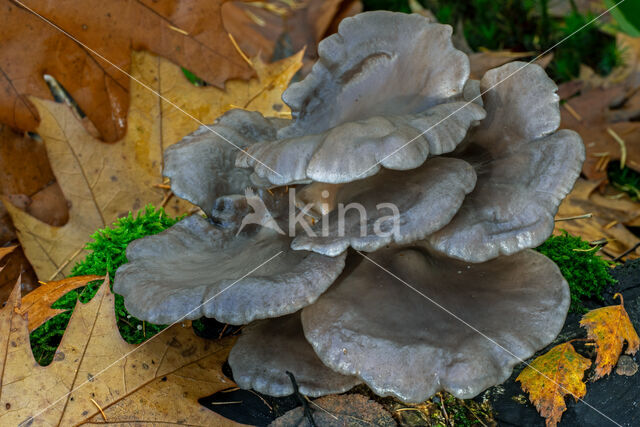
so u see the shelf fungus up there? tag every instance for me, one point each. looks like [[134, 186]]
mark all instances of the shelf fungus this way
[[380, 236]]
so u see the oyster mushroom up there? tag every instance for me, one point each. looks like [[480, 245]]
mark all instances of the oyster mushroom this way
[[445, 294], [425, 323]]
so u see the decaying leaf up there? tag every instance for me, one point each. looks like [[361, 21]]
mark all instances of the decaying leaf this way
[[188, 33], [605, 112], [97, 377], [481, 62], [610, 327], [6, 251], [553, 375], [272, 27], [353, 410], [609, 218], [105, 181], [37, 303]]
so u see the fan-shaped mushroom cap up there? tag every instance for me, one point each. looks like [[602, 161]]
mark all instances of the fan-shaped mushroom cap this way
[[202, 165], [267, 349], [360, 74], [431, 323], [194, 269], [359, 149], [524, 168], [424, 201], [371, 102]]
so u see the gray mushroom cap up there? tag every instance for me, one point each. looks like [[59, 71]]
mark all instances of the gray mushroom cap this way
[[410, 323], [525, 168], [423, 201], [195, 269], [359, 149], [267, 349], [202, 165], [360, 74]]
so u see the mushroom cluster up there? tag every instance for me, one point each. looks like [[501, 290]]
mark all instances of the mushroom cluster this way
[[444, 294]]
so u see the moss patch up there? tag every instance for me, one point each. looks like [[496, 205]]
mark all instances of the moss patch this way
[[107, 253], [586, 272]]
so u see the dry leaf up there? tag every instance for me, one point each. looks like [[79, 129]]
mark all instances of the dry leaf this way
[[608, 220], [610, 327], [481, 62], [553, 375], [95, 371], [339, 410], [272, 27], [37, 303], [105, 181], [6, 251], [188, 33], [596, 106]]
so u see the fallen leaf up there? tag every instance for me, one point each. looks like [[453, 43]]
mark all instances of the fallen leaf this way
[[105, 181], [550, 377], [273, 28], [188, 33], [339, 410], [604, 111], [610, 327], [481, 62], [37, 303], [609, 218], [6, 251], [95, 372]]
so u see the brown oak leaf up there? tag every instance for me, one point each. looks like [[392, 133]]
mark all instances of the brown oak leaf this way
[[190, 33], [97, 377]]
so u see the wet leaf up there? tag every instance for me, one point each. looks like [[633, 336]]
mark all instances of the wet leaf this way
[[97, 377], [188, 33], [552, 376], [105, 181], [610, 327]]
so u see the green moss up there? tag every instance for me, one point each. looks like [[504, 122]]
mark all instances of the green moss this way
[[106, 254], [586, 272], [625, 179], [524, 26]]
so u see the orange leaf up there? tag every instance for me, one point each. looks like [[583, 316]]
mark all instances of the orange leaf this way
[[609, 327], [553, 375], [6, 251], [37, 303]]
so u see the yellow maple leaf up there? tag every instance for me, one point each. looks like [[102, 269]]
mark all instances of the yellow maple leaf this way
[[104, 181], [609, 327], [97, 377], [553, 375]]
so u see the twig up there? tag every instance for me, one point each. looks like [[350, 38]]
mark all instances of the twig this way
[[573, 112], [623, 146], [303, 402], [627, 252], [163, 186], [444, 409], [323, 409], [178, 30], [242, 54], [166, 199], [64, 264], [99, 409], [222, 331], [569, 218]]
